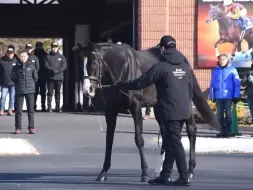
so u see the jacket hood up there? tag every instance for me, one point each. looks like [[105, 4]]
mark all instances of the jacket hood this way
[[39, 51], [172, 56]]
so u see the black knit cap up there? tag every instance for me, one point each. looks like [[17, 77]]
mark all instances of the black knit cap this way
[[167, 41], [11, 48]]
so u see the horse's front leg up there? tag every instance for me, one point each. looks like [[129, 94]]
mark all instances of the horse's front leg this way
[[135, 110], [111, 118], [235, 47], [191, 129], [220, 41]]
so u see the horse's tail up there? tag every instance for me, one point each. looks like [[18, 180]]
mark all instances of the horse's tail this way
[[203, 107]]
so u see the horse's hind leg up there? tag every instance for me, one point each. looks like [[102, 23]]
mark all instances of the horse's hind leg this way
[[111, 118], [191, 129], [139, 141]]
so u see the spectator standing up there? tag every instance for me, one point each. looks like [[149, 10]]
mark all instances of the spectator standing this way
[[7, 62], [56, 65], [40, 86], [33, 59], [247, 81], [224, 90], [24, 75]]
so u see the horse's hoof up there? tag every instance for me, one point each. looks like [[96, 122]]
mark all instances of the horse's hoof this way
[[101, 177], [144, 179], [191, 176]]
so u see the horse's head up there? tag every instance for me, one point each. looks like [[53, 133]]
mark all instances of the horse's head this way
[[95, 67], [214, 13]]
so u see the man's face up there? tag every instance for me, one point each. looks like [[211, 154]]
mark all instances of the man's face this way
[[223, 60], [30, 50], [55, 49], [10, 54], [23, 57]]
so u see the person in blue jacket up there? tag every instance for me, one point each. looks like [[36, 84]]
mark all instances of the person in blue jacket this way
[[224, 90]]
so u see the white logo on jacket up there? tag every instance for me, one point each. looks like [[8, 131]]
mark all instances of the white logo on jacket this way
[[180, 73]]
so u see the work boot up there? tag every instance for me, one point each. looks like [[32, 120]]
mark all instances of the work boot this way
[[49, 109], [43, 109], [160, 180], [181, 182], [57, 108]]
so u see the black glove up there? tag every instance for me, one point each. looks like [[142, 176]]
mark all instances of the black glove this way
[[236, 100]]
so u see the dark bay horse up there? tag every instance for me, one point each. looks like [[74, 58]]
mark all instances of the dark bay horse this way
[[229, 30], [108, 63]]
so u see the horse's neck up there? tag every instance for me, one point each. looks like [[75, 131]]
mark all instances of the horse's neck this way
[[224, 22]]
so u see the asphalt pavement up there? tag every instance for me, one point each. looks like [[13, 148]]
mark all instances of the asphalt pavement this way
[[72, 147]]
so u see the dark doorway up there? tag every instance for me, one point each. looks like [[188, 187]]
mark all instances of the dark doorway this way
[[105, 18]]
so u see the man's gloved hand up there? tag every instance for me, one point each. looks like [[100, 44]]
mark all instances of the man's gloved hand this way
[[236, 100]]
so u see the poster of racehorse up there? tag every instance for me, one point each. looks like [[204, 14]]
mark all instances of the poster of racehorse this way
[[225, 26]]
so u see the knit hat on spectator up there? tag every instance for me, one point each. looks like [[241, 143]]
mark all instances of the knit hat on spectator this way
[[54, 44], [39, 44], [28, 46], [11, 49]]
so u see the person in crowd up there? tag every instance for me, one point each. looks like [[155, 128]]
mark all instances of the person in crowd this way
[[56, 65], [224, 90], [33, 59], [174, 80], [247, 81], [24, 75], [7, 62], [40, 87]]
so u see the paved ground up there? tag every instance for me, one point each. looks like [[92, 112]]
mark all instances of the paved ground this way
[[71, 150]]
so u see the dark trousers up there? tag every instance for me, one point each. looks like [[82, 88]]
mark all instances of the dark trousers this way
[[224, 106], [40, 88], [51, 86], [250, 102], [19, 101], [174, 149], [148, 110]]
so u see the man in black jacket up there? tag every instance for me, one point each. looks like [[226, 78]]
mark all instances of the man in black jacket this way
[[24, 75], [173, 80], [7, 62], [40, 87], [56, 65], [32, 58]]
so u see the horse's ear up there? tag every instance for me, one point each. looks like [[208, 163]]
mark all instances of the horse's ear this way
[[218, 5], [211, 6]]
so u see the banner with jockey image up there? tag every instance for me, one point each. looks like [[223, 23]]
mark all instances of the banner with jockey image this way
[[225, 26]]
